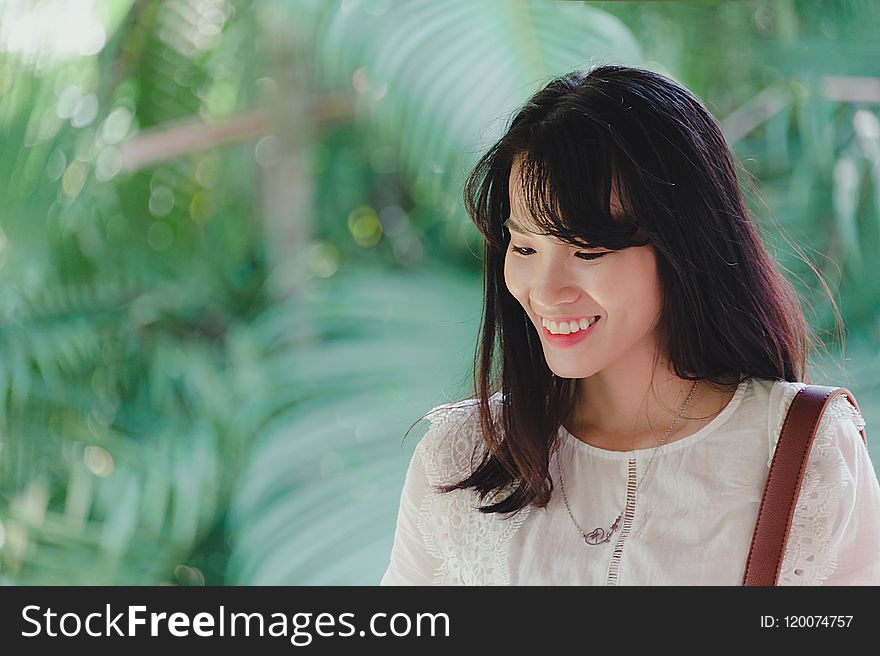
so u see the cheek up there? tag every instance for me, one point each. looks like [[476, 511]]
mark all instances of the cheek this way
[[516, 280], [637, 288]]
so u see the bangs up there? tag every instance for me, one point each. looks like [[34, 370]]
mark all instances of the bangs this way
[[569, 187]]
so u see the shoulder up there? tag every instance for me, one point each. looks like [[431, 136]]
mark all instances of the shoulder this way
[[453, 445], [470, 546], [838, 415], [840, 421]]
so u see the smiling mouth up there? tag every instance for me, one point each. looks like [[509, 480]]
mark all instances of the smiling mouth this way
[[569, 327], [569, 340]]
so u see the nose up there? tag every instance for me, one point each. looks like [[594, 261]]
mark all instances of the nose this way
[[552, 287]]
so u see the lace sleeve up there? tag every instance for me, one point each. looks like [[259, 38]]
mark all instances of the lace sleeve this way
[[835, 532], [410, 563], [443, 539]]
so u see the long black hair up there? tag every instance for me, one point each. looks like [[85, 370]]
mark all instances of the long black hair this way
[[728, 314]]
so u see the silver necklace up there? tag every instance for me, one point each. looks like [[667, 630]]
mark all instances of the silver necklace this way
[[600, 535]]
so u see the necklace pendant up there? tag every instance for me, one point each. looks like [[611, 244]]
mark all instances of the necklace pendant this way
[[600, 535]]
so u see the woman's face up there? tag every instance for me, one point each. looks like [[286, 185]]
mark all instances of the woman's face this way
[[553, 280]]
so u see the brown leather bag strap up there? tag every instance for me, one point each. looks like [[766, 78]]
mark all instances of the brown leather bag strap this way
[[776, 511]]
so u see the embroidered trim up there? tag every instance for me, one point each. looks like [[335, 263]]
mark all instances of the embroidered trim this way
[[469, 544], [617, 553], [808, 558]]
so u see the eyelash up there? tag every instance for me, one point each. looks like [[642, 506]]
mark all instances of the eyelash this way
[[590, 256]]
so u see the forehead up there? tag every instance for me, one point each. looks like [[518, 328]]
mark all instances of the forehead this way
[[520, 219], [511, 224]]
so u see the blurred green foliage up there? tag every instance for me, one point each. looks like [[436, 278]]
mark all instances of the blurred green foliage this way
[[235, 264]]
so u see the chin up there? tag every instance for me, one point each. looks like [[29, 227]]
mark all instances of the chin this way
[[572, 372]]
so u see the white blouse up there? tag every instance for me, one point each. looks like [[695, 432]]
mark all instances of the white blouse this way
[[690, 522]]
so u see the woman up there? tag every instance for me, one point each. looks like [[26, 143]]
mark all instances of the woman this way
[[649, 350]]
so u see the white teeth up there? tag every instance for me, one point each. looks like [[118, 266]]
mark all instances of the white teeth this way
[[568, 327]]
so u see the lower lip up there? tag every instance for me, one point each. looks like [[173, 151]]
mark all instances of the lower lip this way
[[572, 338]]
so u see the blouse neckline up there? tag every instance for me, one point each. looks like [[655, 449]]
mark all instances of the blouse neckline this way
[[682, 443]]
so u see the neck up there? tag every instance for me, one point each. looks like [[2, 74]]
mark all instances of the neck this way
[[622, 407]]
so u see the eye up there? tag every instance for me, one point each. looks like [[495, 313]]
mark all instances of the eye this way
[[589, 257]]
